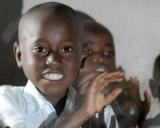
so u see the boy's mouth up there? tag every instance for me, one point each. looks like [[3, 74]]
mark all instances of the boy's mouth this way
[[53, 76], [100, 68]]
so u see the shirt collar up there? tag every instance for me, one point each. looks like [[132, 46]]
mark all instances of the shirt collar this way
[[31, 90], [71, 101]]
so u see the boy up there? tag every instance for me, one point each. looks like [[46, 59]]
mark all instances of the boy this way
[[99, 48], [155, 89], [49, 51], [155, 81], [99, 51]]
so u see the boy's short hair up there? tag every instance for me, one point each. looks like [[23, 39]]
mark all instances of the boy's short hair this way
[[59, 9], [95, 27], [156, 69], [84, 16], [61, 12]]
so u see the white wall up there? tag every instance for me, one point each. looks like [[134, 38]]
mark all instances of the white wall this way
[[135, 25]]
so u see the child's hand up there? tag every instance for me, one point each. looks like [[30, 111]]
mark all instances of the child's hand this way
[[95, 100], [143, 105], [135, 90]]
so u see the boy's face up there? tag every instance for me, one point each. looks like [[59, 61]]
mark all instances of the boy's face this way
[[100, 53], [155, 87], [50, 54], [154, 82]]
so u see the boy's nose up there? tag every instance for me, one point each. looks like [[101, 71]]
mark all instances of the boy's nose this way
[[100, 59], [53, 59]]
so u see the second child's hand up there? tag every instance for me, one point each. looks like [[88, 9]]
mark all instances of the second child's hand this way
[[94, 99]]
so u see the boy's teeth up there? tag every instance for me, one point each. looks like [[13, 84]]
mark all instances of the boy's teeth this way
[[100, 69], [53, 76]]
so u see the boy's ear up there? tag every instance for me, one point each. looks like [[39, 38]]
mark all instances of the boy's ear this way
[[17, 54]]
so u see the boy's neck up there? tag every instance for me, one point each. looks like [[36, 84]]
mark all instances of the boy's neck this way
[[58, 104], [61, 104]]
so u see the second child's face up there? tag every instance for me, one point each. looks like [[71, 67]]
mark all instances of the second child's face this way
[[155, 87], [50, 56], [100, 53]]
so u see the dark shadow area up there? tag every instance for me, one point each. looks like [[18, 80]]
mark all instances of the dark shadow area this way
[[10, 11]]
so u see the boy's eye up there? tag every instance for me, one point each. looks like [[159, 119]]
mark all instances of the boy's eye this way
[[67, 49], [109, 53], [41, 50]]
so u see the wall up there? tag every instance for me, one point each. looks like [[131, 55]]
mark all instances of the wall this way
[[135, 26]]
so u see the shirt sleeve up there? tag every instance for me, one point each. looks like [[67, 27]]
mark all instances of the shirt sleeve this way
[[10, 109], [110, 118]]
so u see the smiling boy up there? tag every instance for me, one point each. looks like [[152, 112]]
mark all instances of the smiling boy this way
[[49, 51], [99, 52]]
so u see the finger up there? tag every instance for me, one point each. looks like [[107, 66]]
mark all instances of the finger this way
[[84, 87], [87, 78], [107, 81], [104, 79], [111, 85], [84, 82], [112, 96], [94, 83], [115, 74], [107, 75]]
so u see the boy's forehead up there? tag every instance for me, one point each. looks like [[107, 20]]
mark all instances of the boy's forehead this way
[[97, 30], [57, 11], [99, 38], [39, 17]]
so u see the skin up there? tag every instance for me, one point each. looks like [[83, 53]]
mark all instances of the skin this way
[[100, 54], [47, 45], [94, 100], [131, 103], [100, 57]]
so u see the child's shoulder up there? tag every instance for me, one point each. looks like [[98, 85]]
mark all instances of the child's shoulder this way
[[10, 94], [10, 100], [9, 89]]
